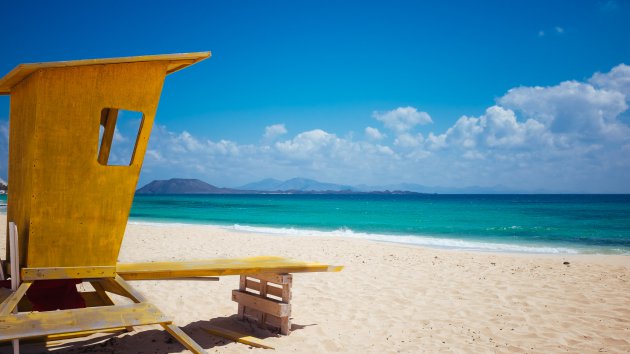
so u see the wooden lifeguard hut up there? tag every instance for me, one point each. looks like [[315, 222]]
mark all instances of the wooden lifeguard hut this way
[[70, 207]]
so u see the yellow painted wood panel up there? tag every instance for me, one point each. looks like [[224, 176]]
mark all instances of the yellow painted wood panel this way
[[22, 132], [218, 267], [37, 324], [78, 207], [176, 62], [68, 273]]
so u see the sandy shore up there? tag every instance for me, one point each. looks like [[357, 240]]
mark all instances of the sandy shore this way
[[390, 298]]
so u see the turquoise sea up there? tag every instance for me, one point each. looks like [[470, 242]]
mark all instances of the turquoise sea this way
[[512, 223]]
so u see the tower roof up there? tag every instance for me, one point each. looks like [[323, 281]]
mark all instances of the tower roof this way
[[22, 71]]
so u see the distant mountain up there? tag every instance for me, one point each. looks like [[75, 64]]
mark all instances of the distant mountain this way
[[267, 184], [295, 185], [310, 186], [184, 186]]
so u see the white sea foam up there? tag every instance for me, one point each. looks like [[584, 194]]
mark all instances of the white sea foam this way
[[426, 241]]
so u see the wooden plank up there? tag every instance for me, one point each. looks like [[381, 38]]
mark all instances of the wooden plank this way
[[219, 267], [62, 336], [274, 278], [130, 292], [15, 278], [238, 337], [271, 290], [178, 61], [4, 294], [31, 274], [184, 339], [100, 292], [263, 293], [270, 306], [242, 285], [110, 286], [10, 303], [37, 324], [109, 116]]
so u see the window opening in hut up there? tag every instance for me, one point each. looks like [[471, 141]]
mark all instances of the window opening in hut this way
[[118, 135]]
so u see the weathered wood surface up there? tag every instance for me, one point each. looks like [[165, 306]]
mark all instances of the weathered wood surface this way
[[37, 324], [10, 303], [238, 337], [68, 273], [175, 62], [219, 267], [183, 338], [265, 305]]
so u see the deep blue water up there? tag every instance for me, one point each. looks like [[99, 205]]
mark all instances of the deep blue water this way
[[518, 223]]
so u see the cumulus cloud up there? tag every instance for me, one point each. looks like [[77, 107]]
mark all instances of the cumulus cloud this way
[[571, 107], [274, 131], [402, 119], [617, 80], [374, 133]]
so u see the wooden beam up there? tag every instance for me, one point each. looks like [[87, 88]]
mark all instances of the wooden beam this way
[[269, 306], [183, 338], [30, 274], [219, 267], [109, 116], [271, 290], [38, 324], [130, 292], [11, 302], [238, 337]]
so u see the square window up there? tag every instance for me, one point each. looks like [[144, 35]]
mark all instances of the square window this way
[[118, 136]]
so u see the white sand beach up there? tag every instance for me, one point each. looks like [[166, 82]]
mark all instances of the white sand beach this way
[[390, 298]]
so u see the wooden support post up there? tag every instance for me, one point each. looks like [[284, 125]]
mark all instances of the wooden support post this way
[[265, 298], [15, 275]]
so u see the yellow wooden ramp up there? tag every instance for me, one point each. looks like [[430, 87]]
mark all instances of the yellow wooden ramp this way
[[219, 267], [37, 324]]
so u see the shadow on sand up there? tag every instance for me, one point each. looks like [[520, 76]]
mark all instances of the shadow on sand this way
[[153, 340]]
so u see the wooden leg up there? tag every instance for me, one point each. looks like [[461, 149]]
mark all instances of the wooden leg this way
[[242, 285], [183, 338], [262, 317], [10, 303], [175, 331]]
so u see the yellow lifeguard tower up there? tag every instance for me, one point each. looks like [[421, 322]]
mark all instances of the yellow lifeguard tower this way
[[68, 207]]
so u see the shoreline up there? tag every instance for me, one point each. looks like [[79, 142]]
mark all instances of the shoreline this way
[[423, 241]]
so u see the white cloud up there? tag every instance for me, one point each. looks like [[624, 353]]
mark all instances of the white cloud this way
[[409, 140], [541, 33], [618, 79], [559, 30], [274, 131], [402, 119], [374, 133], [572, 108]]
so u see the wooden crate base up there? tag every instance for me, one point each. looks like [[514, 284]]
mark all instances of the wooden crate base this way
[[265, 299]]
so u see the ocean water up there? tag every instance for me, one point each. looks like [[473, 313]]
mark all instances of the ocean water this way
[[511, 223]]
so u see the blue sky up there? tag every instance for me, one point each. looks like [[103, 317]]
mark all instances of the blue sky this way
[[529, 95]]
